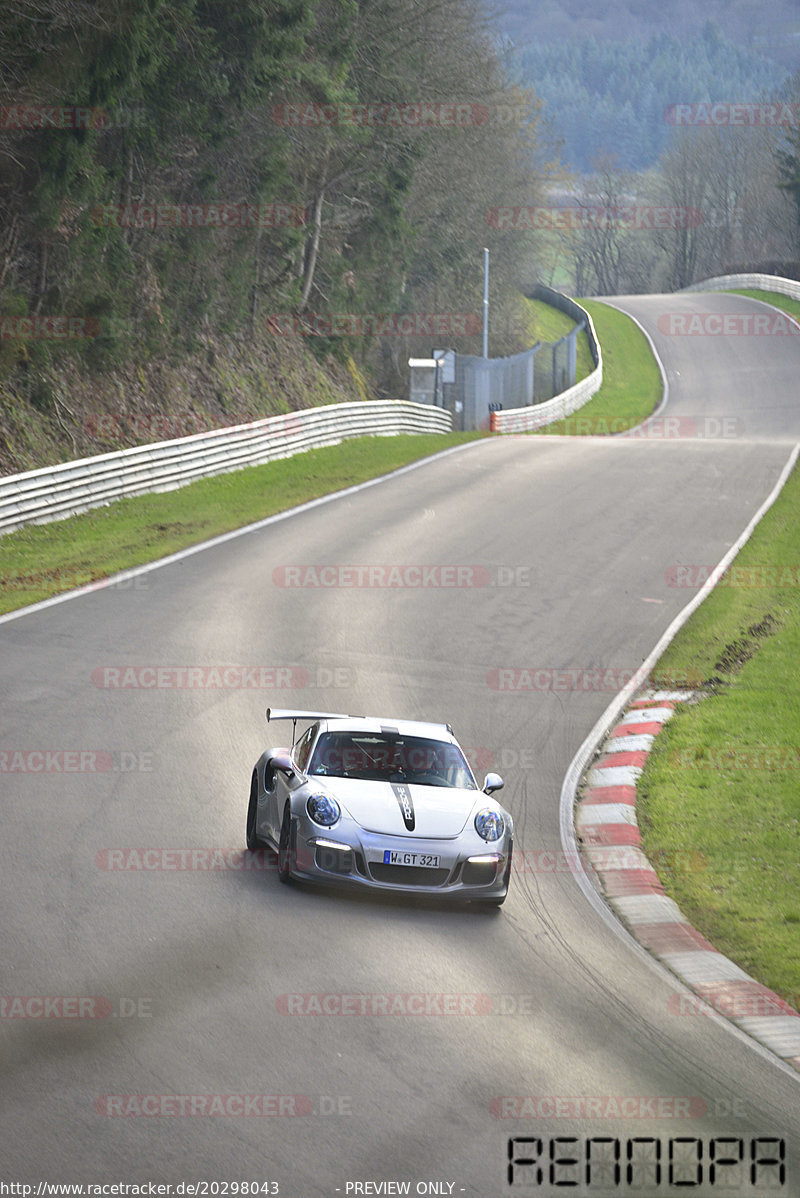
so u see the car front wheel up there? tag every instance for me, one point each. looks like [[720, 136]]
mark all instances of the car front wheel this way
[[254, 843], [285, 847]]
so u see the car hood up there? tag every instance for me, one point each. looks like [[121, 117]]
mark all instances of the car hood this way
[[397, 809]]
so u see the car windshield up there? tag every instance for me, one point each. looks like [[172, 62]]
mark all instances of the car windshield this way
[[391, 758]]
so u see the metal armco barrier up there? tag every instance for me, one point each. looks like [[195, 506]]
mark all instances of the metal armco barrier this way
[[520, 420], [524, 420], [39, 496], [774, 283]]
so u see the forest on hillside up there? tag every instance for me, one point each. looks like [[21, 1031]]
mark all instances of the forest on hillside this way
[[687, 127], [768, 30], [615, 97], [182, 170], [264, 204]]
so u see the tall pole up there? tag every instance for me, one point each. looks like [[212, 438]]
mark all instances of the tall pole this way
[[486, 303]]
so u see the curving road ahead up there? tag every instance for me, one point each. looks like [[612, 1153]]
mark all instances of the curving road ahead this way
[[203, 980]]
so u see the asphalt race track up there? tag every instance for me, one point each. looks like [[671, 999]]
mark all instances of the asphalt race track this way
[[204, 981]]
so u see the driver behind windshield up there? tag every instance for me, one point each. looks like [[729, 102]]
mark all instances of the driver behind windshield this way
[[390, 759]]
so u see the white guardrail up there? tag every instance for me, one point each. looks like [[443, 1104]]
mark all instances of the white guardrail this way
[[39, 496], [521, 420], [54, 492], [524, 420], [774, 283]]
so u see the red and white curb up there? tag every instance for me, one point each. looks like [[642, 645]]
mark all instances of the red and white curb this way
[[610, 841]]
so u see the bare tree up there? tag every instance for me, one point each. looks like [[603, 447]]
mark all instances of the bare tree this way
[[730, 178]]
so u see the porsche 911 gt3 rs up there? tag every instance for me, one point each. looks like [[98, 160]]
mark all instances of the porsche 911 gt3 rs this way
[[380, 804]]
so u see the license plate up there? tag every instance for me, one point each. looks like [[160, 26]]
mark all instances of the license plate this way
[[426, 860]]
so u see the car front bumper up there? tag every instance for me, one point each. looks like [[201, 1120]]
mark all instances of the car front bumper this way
[[465, 869]]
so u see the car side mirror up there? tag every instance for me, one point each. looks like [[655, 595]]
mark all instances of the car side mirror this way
[[492, 782], [282, 761]]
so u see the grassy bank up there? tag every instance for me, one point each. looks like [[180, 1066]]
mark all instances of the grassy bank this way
[[719, 802], [551, 324], [784, 302], [632, 385], [46, 559]]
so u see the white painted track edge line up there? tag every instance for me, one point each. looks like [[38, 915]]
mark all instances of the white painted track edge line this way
[[659, 364], [764, 304], [604, 723], [222, 538], [145, 568]]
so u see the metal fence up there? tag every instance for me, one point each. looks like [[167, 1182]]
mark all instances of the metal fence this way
[[556, 366], [564, 402], [473, 388], [485, 385]]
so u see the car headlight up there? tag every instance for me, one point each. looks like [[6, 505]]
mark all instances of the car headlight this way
[[489, 824], [323, 810]]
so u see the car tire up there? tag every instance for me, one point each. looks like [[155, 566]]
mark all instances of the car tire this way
[[285, 847], [254, 842]]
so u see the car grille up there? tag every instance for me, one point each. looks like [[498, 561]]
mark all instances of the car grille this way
[[408, 875], [479, 873], [333, 861]]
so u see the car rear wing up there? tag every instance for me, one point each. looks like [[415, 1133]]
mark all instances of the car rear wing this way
[[280, 713]]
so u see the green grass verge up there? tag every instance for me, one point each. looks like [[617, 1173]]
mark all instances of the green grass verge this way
[[719, 802], [551, 324], [632, 385], [785, 302], [46, 559]]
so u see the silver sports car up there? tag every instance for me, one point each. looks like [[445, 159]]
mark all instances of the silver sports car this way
[[382, 804]]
